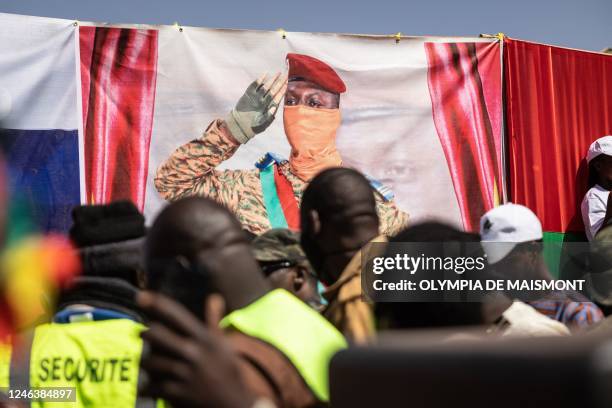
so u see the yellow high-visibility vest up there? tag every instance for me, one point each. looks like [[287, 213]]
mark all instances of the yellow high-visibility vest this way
[[306, 338], [100, 359], [5, 363]]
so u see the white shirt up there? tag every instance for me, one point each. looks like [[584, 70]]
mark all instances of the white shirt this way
[[593, 208], [525, 321]]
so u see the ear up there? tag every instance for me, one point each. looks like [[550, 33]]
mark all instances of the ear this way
[[536, 257], [299, 279], [315, 221]]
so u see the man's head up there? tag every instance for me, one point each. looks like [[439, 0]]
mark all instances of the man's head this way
[[312, 83], [197, 247], [440, 239], [511, 236], [599, 158], [338, 217], [284, 264], [303, 92], [311, 116], [110, 238]]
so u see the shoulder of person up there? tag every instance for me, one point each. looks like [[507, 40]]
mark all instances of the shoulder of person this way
[[526, 319], [283, 377], [596, 193], [269, 159], [382, 190]]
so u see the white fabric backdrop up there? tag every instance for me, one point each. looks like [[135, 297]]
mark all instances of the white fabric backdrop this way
[[387, 129]]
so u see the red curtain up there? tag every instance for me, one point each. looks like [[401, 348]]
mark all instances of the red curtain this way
[[558, 102], [118, 73], [465, 89]]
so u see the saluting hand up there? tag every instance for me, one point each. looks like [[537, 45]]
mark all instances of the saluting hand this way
[[256, 109]]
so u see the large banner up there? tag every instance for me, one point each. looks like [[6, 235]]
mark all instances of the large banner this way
[[421, 117], [559, 101]]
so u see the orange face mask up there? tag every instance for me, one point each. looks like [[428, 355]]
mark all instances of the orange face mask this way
[[312, 135]]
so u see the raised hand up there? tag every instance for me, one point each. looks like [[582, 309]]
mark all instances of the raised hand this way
[[189, 364], [257, 107]]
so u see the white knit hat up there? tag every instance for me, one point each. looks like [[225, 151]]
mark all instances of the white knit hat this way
[[603, 145]]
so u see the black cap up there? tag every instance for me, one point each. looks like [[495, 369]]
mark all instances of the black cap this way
[[103, 224]]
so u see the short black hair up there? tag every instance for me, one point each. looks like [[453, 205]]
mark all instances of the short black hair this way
[[333, 191]]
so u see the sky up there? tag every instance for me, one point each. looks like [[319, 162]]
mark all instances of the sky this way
[[583, 24]]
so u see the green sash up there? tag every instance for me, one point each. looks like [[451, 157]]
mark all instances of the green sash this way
[[271, 200]]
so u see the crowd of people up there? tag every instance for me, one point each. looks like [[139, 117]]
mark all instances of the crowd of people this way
[[195, 311]]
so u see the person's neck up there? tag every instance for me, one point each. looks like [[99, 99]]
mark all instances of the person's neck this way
[[337, 263], [543, 272], [494, 307], [605, 184], [368, 237], [103, 293], [239, 293], [245, 298]]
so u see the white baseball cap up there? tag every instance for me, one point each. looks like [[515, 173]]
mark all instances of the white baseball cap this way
[[503, 227], [603, 145]]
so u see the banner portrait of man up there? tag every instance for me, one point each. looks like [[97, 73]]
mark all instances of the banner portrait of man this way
[[268, 196]]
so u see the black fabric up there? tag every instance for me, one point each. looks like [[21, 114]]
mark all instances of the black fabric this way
[[101, 224], [103, 293], [123, 260]]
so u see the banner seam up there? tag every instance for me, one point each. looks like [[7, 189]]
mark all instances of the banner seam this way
[[81, 136]]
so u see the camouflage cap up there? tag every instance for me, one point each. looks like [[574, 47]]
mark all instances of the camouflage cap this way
[[278, 244]]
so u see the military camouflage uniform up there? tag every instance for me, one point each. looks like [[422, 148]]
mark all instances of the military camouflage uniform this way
[[191, 170]]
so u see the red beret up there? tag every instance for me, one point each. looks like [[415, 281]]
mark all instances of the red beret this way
[[314, 70]]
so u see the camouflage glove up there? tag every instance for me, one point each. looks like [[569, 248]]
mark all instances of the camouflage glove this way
[[256, 109]]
